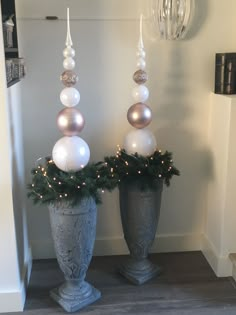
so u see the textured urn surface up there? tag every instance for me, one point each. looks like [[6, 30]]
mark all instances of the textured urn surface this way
[[140, 210], [73, 231]]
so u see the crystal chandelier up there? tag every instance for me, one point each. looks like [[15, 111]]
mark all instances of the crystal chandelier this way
[[172, 17]]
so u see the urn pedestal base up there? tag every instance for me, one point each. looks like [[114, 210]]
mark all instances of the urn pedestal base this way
[[140, 210], [72, 297], [139, 271]]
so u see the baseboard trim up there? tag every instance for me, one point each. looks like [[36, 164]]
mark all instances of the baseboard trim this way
[[221, 265], [162, 244], [14, 301], [232, 258], [11, 302], [117, 245]]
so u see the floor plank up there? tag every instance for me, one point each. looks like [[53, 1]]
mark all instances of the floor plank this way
[[187, 285]]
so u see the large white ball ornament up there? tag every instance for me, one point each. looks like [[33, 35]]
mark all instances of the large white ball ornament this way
[[140, 93], [141, 141], [70, 96], [71, 154], [68, 52], [69, 63]]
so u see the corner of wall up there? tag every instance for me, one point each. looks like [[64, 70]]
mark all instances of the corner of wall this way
[[221, 265], [14, 301]]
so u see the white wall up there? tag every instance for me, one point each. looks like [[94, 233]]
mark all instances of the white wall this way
[[220, 233], [15, 260], [181, 76]]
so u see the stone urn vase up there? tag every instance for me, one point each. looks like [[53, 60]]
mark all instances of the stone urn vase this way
[[73, 231], [140, 210]]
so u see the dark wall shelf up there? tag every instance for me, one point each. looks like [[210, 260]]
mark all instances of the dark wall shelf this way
[[8, 50], [8, 10], [13, 82]]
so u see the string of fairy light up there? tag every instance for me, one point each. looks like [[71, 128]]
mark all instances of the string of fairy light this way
[[113, 169], [53, 182]]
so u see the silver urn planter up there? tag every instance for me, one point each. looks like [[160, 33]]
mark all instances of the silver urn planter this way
[[140, 210], [73, 231]]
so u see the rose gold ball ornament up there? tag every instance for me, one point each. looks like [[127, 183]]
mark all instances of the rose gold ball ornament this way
[[140, 76], [70, 121], [69, 78], [139, 115]]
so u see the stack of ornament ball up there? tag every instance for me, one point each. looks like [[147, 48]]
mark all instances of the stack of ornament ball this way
[[140, 140], [71, 153]]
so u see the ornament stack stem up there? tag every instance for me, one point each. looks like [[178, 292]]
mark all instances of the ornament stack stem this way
[[70, 153], [140, 140]]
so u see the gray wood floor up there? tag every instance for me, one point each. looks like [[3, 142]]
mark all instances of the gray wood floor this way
[[187, 285]]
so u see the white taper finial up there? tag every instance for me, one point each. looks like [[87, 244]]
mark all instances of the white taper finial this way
[[69, 42], [140, 43]]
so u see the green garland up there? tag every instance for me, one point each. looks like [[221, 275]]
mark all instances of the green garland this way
[[137, 167], [51, 185]]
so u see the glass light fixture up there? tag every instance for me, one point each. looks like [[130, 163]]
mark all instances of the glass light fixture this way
[[172, 17]]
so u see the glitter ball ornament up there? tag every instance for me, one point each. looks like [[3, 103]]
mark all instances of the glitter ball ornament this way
[[139, 115], [140, 76], [70, 121], [69, 78]]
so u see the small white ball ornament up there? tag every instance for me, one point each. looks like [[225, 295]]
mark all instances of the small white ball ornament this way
[[140, 93], [141, 53], [69, 63], [68, 52], [70, 96], [141, 64], [141, 141], [71, 154]]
